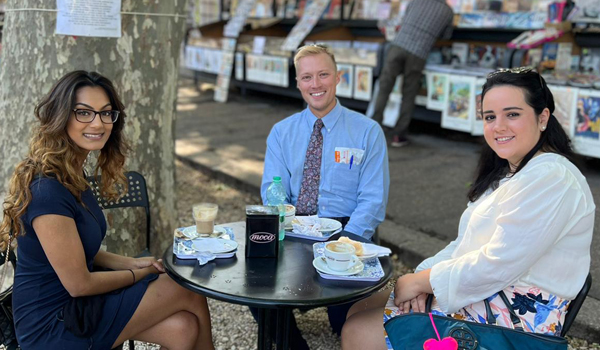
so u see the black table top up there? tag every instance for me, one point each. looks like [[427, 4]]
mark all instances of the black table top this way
[[290, 280]]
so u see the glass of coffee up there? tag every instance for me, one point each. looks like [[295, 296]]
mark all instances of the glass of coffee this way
[[205, 215]]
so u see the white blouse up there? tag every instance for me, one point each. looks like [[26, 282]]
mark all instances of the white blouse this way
[[535, 229]]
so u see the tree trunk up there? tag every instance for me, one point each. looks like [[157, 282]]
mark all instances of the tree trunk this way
[[143, 64]]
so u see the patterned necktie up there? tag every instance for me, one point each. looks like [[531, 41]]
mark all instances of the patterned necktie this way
[[307, 203]]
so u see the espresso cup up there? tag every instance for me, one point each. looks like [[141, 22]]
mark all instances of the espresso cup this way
[[290, 214], [340, 256]]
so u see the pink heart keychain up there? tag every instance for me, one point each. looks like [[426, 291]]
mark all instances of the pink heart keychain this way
[[447, 343]]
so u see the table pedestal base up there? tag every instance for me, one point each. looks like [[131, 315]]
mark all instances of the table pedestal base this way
[[282, 331]]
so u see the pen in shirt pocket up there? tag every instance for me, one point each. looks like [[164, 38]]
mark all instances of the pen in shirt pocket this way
[[351, 160]]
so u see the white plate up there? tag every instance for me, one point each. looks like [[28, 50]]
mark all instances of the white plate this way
[[367, 254], [190, 232], [327, 225], [325, 237], [214, 245], [321, 266], [330, 225]]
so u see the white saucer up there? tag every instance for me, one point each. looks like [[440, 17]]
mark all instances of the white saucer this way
[[214, 245], [321, 266], [190, 232]]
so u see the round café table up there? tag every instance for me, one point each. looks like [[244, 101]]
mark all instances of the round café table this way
[[273, 285]]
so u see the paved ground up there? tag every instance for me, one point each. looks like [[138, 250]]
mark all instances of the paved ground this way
[[429, 179]]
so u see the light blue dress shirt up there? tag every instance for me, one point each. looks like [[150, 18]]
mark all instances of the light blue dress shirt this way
[[355, 186]]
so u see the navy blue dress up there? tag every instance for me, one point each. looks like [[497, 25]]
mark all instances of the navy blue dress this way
[[39, 296]]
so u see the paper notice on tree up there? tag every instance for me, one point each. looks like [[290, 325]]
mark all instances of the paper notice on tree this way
[[97, 18], [311, 16]]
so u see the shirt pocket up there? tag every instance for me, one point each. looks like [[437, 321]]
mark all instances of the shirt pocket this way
[[345, 180]]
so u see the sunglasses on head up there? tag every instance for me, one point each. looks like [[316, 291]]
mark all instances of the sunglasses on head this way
[[516, 70]]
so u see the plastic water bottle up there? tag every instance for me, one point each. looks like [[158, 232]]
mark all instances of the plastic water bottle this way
[[276, 196]]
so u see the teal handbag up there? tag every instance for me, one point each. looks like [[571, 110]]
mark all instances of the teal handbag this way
[[411, 331]]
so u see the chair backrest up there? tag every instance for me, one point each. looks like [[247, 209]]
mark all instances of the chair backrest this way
[[136, 196], [576, 305]]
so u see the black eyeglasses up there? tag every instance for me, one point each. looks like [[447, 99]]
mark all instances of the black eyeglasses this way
[[517, 70], [88, 116]]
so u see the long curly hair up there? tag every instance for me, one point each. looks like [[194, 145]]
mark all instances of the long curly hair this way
[[52, 153]]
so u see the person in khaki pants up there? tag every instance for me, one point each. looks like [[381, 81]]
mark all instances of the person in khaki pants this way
[[424, 22]]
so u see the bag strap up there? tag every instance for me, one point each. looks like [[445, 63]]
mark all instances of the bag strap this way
[[516, 321], [490, 318], [10, 237]]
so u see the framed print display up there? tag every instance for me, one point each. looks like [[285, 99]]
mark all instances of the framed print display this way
[[203, 59], [460, 107], [437, 90], [270, 70], [565, 105], [586, 132], [344, 87], [363, 82], [477, 129]]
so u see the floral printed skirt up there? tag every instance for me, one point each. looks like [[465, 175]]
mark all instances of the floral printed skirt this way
[[540, 312]]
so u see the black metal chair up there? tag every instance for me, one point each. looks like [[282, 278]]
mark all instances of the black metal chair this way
[[136, 196], [576, 305]]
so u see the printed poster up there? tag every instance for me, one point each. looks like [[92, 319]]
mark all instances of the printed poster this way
[[95, 18], [344, 87], [305, 24], [234, 26], [391, 113], [392, 108], [565, 105], [225, 68], [586, 133], [239, 66], [363, 83], [477, 129], [460, 107], [437, 90]]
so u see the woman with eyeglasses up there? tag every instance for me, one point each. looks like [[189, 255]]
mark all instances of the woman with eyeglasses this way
[[69, 294], [527, 229]]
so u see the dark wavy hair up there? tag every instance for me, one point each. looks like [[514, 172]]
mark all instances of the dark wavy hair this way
[[52, 152], [491, 168]]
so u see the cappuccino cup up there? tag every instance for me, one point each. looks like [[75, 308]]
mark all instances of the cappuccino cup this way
[[340, 256]]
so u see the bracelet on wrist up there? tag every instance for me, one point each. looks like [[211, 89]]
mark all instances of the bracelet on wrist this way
[[132, 274]]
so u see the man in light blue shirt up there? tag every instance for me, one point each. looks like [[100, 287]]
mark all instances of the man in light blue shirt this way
[[353, 181], [354, 175]]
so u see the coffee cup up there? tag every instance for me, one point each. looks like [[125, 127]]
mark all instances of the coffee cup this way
[[205, 215], [290, 214], [340, 256]]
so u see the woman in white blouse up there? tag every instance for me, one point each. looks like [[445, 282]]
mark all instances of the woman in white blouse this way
[[527, 229]]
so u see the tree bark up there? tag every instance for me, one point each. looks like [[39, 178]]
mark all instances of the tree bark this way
[[143, 64]]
